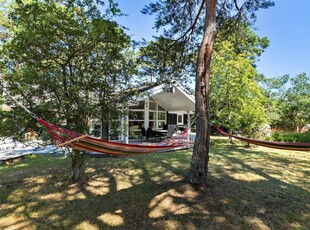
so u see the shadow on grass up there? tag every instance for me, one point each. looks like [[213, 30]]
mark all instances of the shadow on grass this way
[[273, 189], [149, 192]]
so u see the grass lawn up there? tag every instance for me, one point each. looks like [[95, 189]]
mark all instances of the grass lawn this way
[[248, 188]]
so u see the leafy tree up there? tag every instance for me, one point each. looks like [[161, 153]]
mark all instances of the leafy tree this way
[[294, 104], [62, 60], [273, 89], [289, 101], [237, 100], [193, 21], [163, 60]]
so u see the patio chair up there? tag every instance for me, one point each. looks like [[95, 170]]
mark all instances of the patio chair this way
[[143, 133], [149, 133], [170, 131], [180, 138]]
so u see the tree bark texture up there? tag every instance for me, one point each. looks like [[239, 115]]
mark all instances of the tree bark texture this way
[[199, 163], [78, 164]]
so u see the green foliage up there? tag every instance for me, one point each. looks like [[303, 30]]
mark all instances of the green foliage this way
[[237, 101], [291, 137], [164, 60], [185, 19], [64, 61], [290, 101], [196, 23], [236, 98], [8, 123], [295, 103]]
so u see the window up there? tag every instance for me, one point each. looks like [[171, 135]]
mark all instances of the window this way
[[152, 124], [136, 115], [161, 119], [135, 129], [152, 115], [139, 106], [161, 124], [161, 116], [135, 124], [152, 105], [180, 119], [152, 120], [136, 120], [161, 108]]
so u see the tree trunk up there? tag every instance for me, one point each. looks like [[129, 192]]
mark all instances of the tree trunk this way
[[199, 164], [104, 131], [78, 164]]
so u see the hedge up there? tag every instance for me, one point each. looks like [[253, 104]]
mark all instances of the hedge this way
[[291, 137]]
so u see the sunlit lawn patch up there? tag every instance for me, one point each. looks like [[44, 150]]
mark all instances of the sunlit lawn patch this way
[[248, 188]]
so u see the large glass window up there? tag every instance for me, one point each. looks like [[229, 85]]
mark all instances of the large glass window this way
[[180, 119], [152, 115], [139, 106], [161, 116], [136, 124], [152, 124], [161, 119], [135, 129], [152, 120], [156, 117], [161, 124], [136, 121], [152, 106], [136, 115], [161, 108]]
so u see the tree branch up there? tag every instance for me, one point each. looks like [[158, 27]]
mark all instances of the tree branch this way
[[191, 28], [236, 5]]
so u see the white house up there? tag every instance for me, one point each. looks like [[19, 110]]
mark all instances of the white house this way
[[157, 108]]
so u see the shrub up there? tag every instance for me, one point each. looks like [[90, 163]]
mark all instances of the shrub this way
[[291, 137]]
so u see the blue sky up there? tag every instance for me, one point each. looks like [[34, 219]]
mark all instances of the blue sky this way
[[287, 25]]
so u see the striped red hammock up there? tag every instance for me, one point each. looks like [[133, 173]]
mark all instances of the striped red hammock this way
[[67, 138], [269, 144]]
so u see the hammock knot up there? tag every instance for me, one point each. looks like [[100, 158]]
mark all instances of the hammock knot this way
[[60, 135]]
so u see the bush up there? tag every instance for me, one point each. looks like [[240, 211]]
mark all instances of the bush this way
[[291, 137]]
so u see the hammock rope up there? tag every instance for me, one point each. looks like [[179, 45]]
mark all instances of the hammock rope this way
[[33, 115], [297, 146]]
